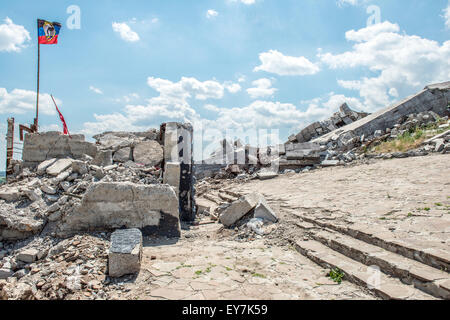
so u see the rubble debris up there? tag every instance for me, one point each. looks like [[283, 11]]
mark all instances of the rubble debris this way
[[239, 209], [59, 166], [149, 153], [28, 255], [111, 205], [266, 175], [338, 120], [38, 147], [434, 100], [125, 253], [264, 212]]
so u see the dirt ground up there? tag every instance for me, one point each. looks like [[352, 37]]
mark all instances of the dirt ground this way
[[410, 196]]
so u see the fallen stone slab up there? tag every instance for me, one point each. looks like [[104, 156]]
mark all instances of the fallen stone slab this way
[[239, 209], [10, 194], [263, 211], [59, 166], [103, 158], [28, 255], [112, 205], [149, 153], [48, 189], [125, 253], [122, 155], [5, 273], [44, 165], [266, 175], [33, 195], [79, 167], [329, 163]]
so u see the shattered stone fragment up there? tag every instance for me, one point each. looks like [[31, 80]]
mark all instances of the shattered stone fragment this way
[[239, 209], [59, 166]]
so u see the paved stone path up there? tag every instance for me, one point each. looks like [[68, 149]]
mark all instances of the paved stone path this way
[[198, 268]]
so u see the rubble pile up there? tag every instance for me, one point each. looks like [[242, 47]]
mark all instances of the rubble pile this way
[[47, 268], [345, 137], [343, 117]]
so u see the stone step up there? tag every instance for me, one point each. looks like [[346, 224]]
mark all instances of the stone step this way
[[409, 248], [227, 198], [375, 281], [205, 205], [422, 276], [213, 198], [231, 193]]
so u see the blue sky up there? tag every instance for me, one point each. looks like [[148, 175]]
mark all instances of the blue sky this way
[[225, 64]]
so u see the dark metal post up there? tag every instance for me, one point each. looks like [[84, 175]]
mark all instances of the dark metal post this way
[[9, 146]]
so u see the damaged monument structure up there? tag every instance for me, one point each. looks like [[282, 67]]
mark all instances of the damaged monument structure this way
[[71, 201]]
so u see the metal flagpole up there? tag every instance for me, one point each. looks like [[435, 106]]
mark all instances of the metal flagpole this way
[[36, 121]]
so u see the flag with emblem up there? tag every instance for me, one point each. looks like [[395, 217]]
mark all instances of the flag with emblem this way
[[48, 32]]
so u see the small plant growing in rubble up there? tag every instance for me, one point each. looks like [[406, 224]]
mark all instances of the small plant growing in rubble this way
[[336, 275]]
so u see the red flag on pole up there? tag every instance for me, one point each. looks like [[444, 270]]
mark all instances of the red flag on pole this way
[[65, 129]]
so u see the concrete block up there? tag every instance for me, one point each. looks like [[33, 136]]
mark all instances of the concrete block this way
[[28, 255], [263, 211], [59, 166], [125, 253], [239, 209]]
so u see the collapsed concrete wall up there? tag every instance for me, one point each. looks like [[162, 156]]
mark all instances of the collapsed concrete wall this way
[[343, 117], [434, 98], [150, 208], [38, 147]]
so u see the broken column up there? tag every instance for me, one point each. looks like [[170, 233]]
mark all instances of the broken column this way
[[177, 139], [125, 253]]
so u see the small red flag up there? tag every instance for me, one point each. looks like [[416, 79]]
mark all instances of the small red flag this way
[[65, 129]]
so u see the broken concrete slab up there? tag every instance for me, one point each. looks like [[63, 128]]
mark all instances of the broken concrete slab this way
[[263, 211], [433, 98], [125, 253], [39, 147], [103, 158], [122, 155], [5, 273], [28, 256], [10, 194], [110, 205], [59, 166], [149, 153], [80, 167], [44, 165], [329, 163], [266, 175], [239, 209]]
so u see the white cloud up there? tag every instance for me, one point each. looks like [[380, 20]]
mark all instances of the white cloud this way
[[402, 64], [447, 16], [246, 2], [12, 36], [20, 101], [96, 90], [232, 87], [262, 88], [349, 2], [125, 32], [211, 13], [187, 88], [275, 62]]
